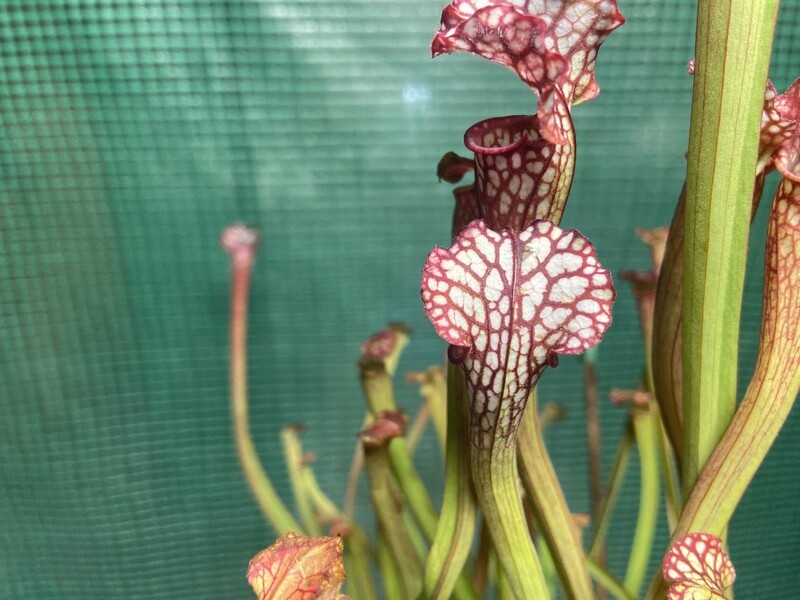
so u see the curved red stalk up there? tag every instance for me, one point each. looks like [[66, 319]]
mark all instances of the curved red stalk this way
[[551, 45]]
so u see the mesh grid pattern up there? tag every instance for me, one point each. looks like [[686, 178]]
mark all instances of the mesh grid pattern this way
[[135, 130]]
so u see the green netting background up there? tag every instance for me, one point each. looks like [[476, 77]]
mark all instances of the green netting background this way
[[133, 131]]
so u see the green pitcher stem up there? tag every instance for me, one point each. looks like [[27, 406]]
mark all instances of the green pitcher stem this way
[[494, 472], [444, 569], [728, 97], [553, 517]]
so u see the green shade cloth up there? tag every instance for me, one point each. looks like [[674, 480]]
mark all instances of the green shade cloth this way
[[134, 131]]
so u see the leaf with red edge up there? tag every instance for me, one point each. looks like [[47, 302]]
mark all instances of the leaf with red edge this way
[[698, 568], [510, 302], [551, 45], [298, 567]]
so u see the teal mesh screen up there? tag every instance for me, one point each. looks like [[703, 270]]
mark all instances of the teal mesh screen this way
[[133, 131]]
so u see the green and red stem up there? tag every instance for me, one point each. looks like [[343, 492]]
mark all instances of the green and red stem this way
[[241, 242]]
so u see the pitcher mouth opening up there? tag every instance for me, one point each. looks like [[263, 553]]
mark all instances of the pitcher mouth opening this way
[[500, 135]]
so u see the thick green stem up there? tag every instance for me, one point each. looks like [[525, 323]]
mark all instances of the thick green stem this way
[[494, 472], [551, 512], [456, 526], [732, 57]]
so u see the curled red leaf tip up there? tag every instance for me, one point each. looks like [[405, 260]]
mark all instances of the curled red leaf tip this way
[[551, 44], [697, 566]]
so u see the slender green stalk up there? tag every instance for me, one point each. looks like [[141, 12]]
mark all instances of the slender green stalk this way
[[293, 454], [326, 511], [550, 509], [357, 550], [240, 242], [456, 526], [647, 430], [353, 475], [608, 581], [732, 58], [415, 535], [618, 472]]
